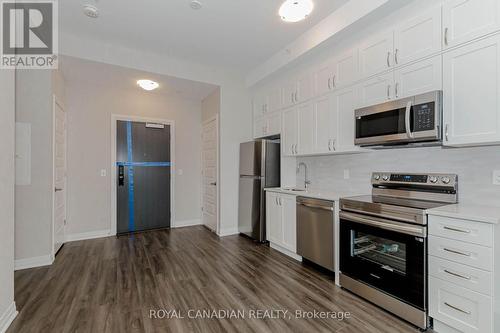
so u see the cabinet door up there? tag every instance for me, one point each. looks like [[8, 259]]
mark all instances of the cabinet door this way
[[376, 90], [375, 54], [289, 93], [343, 104], [306, 129], [346, 69], [471, 86], [418, 78], [418, 37], [273, 124], [290, 131], [259, 104], [259, 127], [289, 218], [465, 20], [304, 87], [275, 99], [323, 78], [325, 125], [274, 228]]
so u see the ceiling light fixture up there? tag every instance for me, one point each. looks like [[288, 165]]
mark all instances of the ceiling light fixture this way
[[91, 11], [295, 10], [195, 4], [148, 84]]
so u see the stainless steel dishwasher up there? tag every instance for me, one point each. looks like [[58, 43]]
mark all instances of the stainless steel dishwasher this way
[[315, 231]]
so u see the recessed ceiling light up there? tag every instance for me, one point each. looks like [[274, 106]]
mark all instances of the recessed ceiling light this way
[[91, 11], [148, 84], [195, 4], [295, 10]]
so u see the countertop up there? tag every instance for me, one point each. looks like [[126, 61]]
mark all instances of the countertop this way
[[314, 193], [479, 213]]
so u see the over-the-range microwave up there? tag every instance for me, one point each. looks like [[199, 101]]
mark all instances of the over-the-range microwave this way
[[412, 121]]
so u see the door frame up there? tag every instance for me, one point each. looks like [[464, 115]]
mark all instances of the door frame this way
[[57, 102], [217, 222], [114, 119]]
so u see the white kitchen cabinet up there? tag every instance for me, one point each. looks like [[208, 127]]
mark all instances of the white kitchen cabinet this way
[[346, 69], [471, 93], [290, 132], [323, 77], [418, 38], [304, 87], [376, 90], [259, 105], [259, 128], [376, 54], [306, 129], [289, 93], [268, 125], [418, 78], [325, 125], [274, 99], [343, 105], [466, 20], [281, 222]]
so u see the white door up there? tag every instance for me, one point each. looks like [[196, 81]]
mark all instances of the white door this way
[[209, 173], [465, 20], [376, 90], [325, 125], [306, 129], [418, 78], [273, 219], [59, 218], [290, 132], [418, 38], [375, 54], [344, 104], [288, 215], [471, 85], [346, 69]]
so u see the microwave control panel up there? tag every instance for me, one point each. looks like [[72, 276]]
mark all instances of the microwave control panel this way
[[424, 117]]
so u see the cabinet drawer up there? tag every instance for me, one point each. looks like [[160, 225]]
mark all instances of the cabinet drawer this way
[[460, 308], [465, 276], [462, 230], [467, 254]]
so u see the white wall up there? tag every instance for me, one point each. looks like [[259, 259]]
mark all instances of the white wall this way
[[7, 118], [89, 107], [210, 106]]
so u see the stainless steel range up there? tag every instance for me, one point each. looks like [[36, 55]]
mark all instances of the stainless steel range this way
[[383, 240]]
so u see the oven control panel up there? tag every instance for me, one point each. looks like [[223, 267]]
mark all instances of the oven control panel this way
[[433, 179], [424, 117]]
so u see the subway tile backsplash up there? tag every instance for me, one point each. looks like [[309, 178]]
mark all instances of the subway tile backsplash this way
[[474, 167]]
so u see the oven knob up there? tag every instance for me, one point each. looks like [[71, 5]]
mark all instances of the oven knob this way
[[433, 179], [445, 180], [376, 176], [385, 178]]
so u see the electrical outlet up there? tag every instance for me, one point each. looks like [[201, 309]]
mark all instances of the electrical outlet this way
[[347, 174], [496, 177], [103, 172]]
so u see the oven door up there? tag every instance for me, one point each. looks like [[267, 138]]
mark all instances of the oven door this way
[[385, 254]]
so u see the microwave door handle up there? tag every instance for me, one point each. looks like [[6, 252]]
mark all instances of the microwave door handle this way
[[407, 120]]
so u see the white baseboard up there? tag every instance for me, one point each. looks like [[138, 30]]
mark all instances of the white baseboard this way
[[186, 223], [285, 251], [88, 235], [8, 317], [228, 232], [33, 262]]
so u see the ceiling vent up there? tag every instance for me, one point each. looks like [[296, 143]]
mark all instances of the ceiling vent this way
[[91, 11]]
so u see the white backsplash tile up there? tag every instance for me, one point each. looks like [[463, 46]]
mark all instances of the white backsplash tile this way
[[474, 167]]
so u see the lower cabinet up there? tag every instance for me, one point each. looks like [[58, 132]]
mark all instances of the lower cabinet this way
[[281, 226]]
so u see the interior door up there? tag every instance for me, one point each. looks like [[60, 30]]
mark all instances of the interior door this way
[[144, 172], [59, 177], [209, 174]]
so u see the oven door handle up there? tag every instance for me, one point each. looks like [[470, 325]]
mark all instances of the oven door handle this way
[[407, 229], [407, 120]]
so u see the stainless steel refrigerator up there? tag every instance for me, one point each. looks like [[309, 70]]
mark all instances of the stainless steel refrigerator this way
[[259, 168]]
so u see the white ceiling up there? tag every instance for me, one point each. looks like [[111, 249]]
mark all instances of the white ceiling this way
[[105, 75], [236, 34]]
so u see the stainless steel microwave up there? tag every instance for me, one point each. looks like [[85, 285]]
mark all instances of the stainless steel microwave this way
[[410, 121]]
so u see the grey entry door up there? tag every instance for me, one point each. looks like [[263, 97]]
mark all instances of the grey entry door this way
[[143, 169]]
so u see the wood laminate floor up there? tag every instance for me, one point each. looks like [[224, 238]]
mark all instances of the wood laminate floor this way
[[111, 284]]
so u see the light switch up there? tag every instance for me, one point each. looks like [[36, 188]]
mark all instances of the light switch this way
[[496, 177], [103, 172]]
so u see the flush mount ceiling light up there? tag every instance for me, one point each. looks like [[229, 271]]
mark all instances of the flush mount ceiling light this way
[[148, 84], [195, 4], [295, 10], [91, 11]]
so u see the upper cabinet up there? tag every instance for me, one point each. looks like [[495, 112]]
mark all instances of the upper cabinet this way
[[471, 93], [298, 90], [336, 73], [376, 90], [290, 132], [325, 125], [418, 38], [418, 78], [465, 20], [376, 54]]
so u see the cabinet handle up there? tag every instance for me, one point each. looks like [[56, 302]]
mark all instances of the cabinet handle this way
[[329, 145], [396, 60], [456, 252], [276, 201], [291, 97], [396, 89], [456, 308], [329, 83], [333, 145], [389, 59], [457, 230], [446, 132], [446, 36], [457, 275], [334, 79], [296, 99], [280, 201], [388, 91]]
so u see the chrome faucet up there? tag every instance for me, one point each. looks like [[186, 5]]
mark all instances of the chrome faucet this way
[[306, 181]]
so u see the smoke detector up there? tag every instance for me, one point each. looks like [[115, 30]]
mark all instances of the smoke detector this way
[[91, 11], [195, 4]]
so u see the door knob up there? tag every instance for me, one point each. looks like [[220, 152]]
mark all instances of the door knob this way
[[213, 184]]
